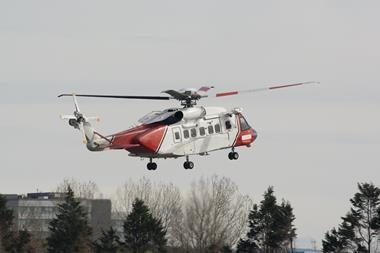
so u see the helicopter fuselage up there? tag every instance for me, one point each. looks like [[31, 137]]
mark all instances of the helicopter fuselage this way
[[198, 131]]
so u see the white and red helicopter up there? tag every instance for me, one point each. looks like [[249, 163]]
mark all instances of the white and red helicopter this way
[[175, 132]]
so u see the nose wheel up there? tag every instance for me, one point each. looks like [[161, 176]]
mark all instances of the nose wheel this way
[[233, 155], [188, 165], [151, 165]]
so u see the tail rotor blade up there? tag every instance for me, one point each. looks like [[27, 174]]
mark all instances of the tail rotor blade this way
[[67, 117]]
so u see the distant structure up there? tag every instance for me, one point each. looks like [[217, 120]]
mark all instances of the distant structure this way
[[34, 211], [307, 251], [117, 222]]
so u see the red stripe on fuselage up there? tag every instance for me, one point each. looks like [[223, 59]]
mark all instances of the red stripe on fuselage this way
[[140, 140], [124, 139], [152, 139]]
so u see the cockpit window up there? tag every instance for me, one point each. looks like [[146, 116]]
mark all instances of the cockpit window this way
[[244, 124], [228, 125]]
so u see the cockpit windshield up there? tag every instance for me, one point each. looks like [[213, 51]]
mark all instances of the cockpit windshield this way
[[244, 124], [150, 117]]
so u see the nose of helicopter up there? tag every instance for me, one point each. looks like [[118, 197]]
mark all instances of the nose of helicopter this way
[[254, 134]]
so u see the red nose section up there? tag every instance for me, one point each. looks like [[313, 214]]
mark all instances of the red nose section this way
[[246, 137], [152, 139]]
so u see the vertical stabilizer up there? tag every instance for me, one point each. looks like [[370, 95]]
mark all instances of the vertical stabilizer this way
[[93, 140]]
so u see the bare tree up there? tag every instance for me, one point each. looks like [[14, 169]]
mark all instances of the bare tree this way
[[163, 200], [85, 190], [215, 214]]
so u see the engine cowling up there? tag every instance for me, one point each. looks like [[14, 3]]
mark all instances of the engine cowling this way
[[193, 113], [174, 118]]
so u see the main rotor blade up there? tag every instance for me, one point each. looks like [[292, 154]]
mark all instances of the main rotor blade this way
[[175, 94], [229, 93], [116, 96], [205, 88]]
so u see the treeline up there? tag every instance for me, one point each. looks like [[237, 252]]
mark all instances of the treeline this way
[[270, 225], [213, 217], [359, 231]]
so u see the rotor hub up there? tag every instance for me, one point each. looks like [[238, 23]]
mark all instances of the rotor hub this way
[[190, 102]]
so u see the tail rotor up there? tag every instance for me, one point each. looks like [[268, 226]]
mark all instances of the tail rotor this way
[[77, 119]]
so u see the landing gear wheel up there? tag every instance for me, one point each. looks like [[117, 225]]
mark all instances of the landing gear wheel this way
[[233, 155], [188, 165], [151, 166]]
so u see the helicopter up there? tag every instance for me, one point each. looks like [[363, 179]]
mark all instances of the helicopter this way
[[175, 132]]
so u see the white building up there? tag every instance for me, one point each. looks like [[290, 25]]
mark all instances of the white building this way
[[34, 211]]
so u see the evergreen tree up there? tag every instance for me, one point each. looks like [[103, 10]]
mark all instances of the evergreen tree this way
[[270, 226], [6, 220], [142, 231], [226, 249], [361, 226], [219, 249], [246, 246], [254, 235], [288, 231], [109, 242], [12, 241], [333, 242], [269, 214], [69, 231], [22, 242]]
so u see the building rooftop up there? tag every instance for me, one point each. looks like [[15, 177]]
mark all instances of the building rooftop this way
[[36, 195]]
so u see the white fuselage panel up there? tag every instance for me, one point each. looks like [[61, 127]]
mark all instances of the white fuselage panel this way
[[215, 130]]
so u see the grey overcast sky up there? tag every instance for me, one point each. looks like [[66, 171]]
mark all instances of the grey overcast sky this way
[[315, 143]]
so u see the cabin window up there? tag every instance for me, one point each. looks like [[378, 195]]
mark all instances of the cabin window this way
[[210, 129], [193, 132], [217, 128], [176, 135], [228, 125], [186, 134], [244, 124], [202, 131]]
